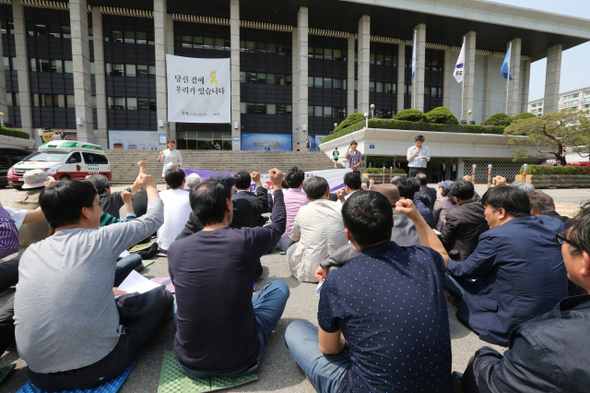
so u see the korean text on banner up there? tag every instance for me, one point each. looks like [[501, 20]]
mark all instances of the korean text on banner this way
[[198, 90]]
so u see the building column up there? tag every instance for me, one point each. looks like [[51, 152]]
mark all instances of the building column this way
[[526, 76], [22, 67], [350, 74], [364, 58], [234, 28], [513, 93], [295, 89], [3, 105], [552, 78], [487, 87], [418, 82], [160, 33], [301, 118], [82, 81], [99, 79], [469, 74], [401, 75], [447, 67], [170, 51]]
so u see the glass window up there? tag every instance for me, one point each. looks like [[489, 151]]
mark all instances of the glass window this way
[[587, 99], [372, 58], [44, 65], [371, 86], [153, 104], [575, 95], [337, 54], [32, 64], [74, 158], [379, 87], [59, 100], [319, 53], [66, 32], [426, 90], [152, 71], [310, 110], [242, 77], [151, 38], [310, 51], [270, 79], [55, 30], [575, 102], [219, 44], [110, 104], [261, 109], [187, 41], [280, 79], [130, 70], [69, 67], [46, 100], [198, 42], [93, 158], [261, 78], [141, 37], [35, 99], [318, 111], [41, 29], [9, 99], [250, 107], [242, 107], [117, 35], [327, 111], [119, 102], [328, 54], [208, 43], [132, 103], [118, 70], [56, 66], [282, 109], [143, 104], [129, 37], [71, 101], [288, 80], [310, 81], [387, 60], [283, 50], [142, 71], [327, 83], [289, 109], [250, 77], [250, 47], [108, 68], [271, 109], [379, 59], [319, 82], [337, 83]]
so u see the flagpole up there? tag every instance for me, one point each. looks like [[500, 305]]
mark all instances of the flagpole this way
[[415, 61], [463, 82], [508, 78]]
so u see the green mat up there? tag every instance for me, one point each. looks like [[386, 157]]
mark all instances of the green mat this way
[[174, 380], [5, 370], [147, 262]]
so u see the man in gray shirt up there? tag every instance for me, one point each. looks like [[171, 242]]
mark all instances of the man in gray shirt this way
[[70, 329]]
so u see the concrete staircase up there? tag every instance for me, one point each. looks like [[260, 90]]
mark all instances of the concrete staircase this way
[[124, 162]]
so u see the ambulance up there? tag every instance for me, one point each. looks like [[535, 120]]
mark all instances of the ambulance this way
[[62, 159]]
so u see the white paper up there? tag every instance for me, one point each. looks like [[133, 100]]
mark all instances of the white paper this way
[[124, 254], [318, 289], [135, 282]]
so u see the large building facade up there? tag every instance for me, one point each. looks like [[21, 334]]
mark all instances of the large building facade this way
[[297, 67], [572, 99]]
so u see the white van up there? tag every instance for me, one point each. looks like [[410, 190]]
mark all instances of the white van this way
[[63, 160]]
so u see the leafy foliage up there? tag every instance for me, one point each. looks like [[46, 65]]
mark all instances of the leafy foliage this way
[[353, 118], [441, 115], [524, 115], [380, 170], [499, 119], [557, 170], [14, 132], [411, 115]]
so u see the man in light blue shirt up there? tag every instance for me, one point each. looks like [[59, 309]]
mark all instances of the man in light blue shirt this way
[[418, 156]]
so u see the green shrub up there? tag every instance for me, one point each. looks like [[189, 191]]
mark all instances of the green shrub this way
[[441, 115], [353, 118], [499, 119], [411, 115], [14, 132], [524, 115], [380, 170], [399, 170], [556, 170]]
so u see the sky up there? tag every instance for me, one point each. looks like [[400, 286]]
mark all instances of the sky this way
[[575, 62]]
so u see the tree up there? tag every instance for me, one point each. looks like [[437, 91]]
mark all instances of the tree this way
[[441, 115], [524, 115], [551, 134]]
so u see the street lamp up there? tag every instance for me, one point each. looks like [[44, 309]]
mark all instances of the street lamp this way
[[372, 111], [469, 112], [2, 119]]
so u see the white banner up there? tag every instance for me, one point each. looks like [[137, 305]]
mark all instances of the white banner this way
[[198, 90], [460, 66]]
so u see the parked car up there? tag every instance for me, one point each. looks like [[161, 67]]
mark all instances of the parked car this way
[[8, 158]]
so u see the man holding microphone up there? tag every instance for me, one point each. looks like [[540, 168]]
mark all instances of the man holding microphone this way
[[418, 156]]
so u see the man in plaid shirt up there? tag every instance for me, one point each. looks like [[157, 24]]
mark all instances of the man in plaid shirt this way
[[355, 157]]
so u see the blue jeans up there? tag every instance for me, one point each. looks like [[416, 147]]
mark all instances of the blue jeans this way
[[268, 305], [456, 286], [124, 267], [284, 243], [326, 372]]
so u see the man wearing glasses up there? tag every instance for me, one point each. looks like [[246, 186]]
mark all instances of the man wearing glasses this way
[[516, 272], [549, 353]]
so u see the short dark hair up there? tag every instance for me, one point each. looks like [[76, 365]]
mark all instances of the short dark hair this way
[[294, 177], [368, 217], [174, 177], [541, 203], [462, 189], [62, 202], [243, 180], [209, 200], [406, 187], [100, 182], [353, 180], [580, 232], [423, 179], [419, 138], [513, 200], [315, 187]]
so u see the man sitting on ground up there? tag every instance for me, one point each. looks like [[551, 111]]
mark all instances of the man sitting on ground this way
[[548, 353], [387, 304], [294, 200], [443, 204], [431, 192], [317, 231], [543, 205], [221, 329], [407, 189], [249, 214], [463, 226], [517, 267], [176, 208], [77, 335]]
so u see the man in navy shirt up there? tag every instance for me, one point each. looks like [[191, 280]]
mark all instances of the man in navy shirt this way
[[222, 329], [387, 304]]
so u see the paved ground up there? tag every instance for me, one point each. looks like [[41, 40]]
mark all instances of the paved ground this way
[[279, 372]]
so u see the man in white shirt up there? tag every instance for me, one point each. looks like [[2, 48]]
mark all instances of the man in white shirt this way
[[176, 208], [418, 156], [171, 157], [318, 230]]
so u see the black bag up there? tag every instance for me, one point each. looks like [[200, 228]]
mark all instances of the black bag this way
[[145, 250]]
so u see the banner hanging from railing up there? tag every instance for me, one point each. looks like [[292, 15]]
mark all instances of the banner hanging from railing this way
[[198, 90]]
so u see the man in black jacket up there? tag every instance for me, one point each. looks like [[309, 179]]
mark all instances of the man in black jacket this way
[[464, 224], [248, 214], [548, 353]]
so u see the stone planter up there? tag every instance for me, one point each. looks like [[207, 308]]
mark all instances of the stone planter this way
[[12, 141], [557, 181], [378, 177]]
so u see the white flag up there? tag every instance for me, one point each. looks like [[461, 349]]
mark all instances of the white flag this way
[[460, 66]]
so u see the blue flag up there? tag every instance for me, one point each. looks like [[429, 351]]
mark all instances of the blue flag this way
[[506, 70]]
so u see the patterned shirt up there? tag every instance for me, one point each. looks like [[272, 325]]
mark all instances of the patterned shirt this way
[[354, 157], [390, 305], [9, 242]]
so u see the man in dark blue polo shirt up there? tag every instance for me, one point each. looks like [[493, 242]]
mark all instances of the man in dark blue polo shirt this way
[[383, 316]]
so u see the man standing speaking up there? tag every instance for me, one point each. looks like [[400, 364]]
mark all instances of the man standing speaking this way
[[418, 156]]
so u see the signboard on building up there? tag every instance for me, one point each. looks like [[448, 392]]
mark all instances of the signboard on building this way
[[133, 140], [267, 142], [198, 90]]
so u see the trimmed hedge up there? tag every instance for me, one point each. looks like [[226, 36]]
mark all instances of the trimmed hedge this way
[[14, 132], [524, 115], [499, 119], [411, 115], [393, 124], [380, 170], [351, 119], [441, 115], [556, 170]]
